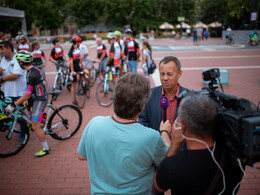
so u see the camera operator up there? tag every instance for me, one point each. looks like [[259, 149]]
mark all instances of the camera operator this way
[[204, 168]]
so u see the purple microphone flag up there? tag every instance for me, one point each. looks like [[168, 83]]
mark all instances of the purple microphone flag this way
[[164, 102]]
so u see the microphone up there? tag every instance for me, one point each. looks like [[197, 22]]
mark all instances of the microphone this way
[[164, 103]]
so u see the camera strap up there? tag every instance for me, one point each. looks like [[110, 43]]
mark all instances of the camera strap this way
[[217, 175]]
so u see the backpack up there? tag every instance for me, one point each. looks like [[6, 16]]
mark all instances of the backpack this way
[[152, 66]]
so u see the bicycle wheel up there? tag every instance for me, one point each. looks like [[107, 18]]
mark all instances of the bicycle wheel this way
[[12, 144], [93, 76], [64, 122], [104, 93], [80, 94]]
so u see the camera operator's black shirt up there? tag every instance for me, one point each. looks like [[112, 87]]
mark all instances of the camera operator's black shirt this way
[[192, 171]]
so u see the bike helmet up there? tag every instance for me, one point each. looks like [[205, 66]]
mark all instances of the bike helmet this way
[[76, 39], [128, 31], [24, 56], [22, 36], [117, 33], [111, 36]]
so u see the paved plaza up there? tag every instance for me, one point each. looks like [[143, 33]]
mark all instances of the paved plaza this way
[[62, 173]]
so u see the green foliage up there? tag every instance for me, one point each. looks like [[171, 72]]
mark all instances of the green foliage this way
[[239, 7], [141, 15]]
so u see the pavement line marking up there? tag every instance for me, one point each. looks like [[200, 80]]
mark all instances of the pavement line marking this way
[[212, 57], [53, 73], [156, 76]]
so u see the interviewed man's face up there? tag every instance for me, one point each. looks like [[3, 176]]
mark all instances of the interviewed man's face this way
[[169, 75]]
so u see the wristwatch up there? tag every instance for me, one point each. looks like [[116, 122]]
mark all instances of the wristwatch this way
[[1, 79]]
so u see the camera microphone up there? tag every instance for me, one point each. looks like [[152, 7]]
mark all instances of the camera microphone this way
[[164, 104]]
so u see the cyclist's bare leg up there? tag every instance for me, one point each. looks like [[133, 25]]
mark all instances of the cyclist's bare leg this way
[[38, 131], [88, 75]]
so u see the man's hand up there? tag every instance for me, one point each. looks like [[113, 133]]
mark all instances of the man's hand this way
[[25, 103], [1, 71], [9, 108], [166, 126]]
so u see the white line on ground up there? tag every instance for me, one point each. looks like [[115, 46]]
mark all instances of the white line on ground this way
[[156, 76], [213, 57]]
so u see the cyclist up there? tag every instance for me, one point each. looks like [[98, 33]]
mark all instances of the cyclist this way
[[114, 56], [58, 56], [37, 96], [38, 55], [84, 54], [101, 56], [23, 44], [76, 65], [133, 51], [122, 69]]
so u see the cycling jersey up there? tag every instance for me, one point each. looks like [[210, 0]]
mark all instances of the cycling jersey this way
[[74, 54], [37, 57], [100, 49], [132, 48], [24, 46], [122, 45], [36, 85], [57, 53], [116, 51]]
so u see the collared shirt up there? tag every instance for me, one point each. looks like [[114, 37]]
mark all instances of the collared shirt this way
[[14, 88], [172, 106]]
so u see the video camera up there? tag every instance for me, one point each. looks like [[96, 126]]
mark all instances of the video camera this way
[[238, 121]]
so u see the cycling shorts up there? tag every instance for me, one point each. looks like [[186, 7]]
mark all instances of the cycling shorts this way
[[37, 110], [74, 77], [114, 71]]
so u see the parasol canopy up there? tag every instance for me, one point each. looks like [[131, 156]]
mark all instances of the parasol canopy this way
[[201, 25], [215, 24], [166, 26], [184, 25]]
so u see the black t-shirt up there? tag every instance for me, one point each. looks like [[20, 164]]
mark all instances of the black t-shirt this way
[[192, 171]]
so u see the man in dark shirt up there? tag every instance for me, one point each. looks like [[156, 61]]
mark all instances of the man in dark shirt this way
[[192, 171]]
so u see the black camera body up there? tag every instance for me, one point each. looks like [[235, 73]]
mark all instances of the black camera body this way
[[238, 122]]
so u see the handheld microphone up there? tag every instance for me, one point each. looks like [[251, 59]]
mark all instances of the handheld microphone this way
[[164, 104]]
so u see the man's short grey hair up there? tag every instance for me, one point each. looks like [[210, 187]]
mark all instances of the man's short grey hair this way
[[198, 112], [131, 93], [98, 39], [167, 59]]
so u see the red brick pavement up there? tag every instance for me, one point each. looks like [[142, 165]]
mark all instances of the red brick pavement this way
[[62, 173]]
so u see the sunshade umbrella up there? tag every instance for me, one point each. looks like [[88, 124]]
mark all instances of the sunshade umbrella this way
[[184, 25], [166, 26], [201, 25], [215, 24]]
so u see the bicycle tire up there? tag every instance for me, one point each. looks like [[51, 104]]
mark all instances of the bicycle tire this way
[[105, 99], [93, 76], [80, 94], [70, 119], [10, 147]]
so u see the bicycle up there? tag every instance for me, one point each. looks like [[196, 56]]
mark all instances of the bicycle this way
[[61, 124], [105, 90], [62, 73], [81, 92], [93, 72]]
